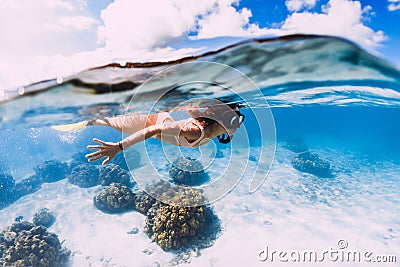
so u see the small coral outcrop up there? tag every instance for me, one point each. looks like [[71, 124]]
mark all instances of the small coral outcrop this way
[[84, 175], [115, 198], [51, 171], [44, 218], [24, 244], [28, 186], [113, 173], [188, 171], [311, 163]]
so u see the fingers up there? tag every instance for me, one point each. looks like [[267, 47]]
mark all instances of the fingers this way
[[99, 141], [106, 161], [97, 146], [95, 158], [93, 154], [94, 147]]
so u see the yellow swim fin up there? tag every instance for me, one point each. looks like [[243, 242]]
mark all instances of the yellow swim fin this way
[[70, 127]]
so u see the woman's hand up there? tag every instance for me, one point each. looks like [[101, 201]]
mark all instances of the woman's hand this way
[[105, 149]]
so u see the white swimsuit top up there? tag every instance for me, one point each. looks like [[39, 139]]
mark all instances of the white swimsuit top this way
[[180, 140]]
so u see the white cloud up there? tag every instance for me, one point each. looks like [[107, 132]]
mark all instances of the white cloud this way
[[80, 23], [42, 27], [342, 18], [34, 29], [394, 5], [131, 25], [223, 19], [297, 5]]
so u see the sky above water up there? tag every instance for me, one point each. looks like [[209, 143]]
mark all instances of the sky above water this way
[[43, 39]]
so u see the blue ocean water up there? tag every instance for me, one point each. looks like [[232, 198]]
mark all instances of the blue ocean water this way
[[326, 95]]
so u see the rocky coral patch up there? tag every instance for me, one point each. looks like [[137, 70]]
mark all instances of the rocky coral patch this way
[[115, 198], [311, 163], [84, 175], [188, 171], [44, 218], [113, 173], [24, 244]]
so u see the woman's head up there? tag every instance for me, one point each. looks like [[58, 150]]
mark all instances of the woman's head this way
[[227, 116], [231, 121]]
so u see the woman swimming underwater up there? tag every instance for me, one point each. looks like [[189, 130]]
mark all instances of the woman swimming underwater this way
[[217, 121]]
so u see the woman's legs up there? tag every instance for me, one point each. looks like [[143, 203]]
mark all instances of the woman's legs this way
[[127, 124]]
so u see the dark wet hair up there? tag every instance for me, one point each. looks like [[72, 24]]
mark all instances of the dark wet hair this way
[[205, 118]]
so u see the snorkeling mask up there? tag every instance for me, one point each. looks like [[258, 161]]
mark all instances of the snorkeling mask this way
[[233, 122]]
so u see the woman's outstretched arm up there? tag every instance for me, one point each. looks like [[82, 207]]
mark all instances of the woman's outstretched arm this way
[[110, 149]]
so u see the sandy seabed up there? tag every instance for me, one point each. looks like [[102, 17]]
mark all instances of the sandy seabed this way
[[292, 212]]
